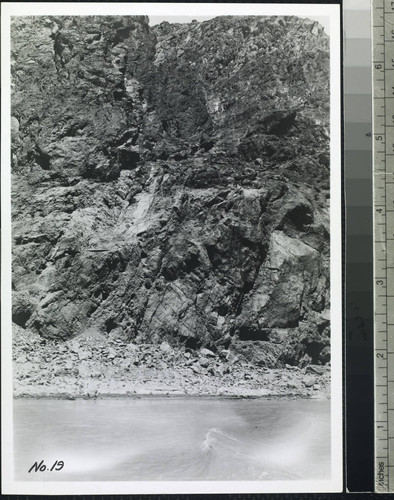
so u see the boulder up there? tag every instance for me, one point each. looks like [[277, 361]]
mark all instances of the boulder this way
[[309, 380], [204, 362], [207, 353], [165, 348]]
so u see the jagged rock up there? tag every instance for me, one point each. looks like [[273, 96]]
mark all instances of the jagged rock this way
[[223, 369], [309, 380], [23, 305], [224, 353], [165, 347], [325, 354], [261, 353], [170, 186], [284, 282], [315, 369], [204, 362], [196, 369], [231, 358], [207, 353]]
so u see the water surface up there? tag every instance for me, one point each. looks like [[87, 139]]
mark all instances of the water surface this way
[[172, 439]]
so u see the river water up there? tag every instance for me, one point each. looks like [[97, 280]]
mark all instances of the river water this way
[[172, 439]]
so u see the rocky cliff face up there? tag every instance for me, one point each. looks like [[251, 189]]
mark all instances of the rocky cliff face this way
[[172, 183]]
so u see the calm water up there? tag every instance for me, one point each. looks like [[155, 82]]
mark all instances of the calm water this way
[[173, 439]]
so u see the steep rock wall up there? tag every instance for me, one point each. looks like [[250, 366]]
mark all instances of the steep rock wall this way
[[173, 182]]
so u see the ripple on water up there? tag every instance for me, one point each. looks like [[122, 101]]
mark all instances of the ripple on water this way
[[173, 439]]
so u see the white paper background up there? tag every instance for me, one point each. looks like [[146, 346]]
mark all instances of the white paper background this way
[[332, 13]]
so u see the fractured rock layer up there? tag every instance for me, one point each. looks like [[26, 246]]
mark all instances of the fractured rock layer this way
[[172, 183]]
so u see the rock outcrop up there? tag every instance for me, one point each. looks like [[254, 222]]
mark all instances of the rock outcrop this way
[[172, 183]]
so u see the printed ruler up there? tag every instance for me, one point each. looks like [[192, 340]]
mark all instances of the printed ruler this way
[[383, 169]]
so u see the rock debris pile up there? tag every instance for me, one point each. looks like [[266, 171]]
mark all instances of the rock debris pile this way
[[99, 367]]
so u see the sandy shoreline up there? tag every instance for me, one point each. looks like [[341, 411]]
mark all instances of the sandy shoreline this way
[[99, 367]]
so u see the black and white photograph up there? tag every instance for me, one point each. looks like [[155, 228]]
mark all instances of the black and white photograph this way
[[171, 248]]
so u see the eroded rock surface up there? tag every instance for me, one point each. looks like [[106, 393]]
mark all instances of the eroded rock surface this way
[[171, 184]]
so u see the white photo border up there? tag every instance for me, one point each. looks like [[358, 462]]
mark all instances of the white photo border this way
[[332, 11]]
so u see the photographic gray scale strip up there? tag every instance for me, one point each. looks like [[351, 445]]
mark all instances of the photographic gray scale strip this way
[[359, 433], [383, 209]]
